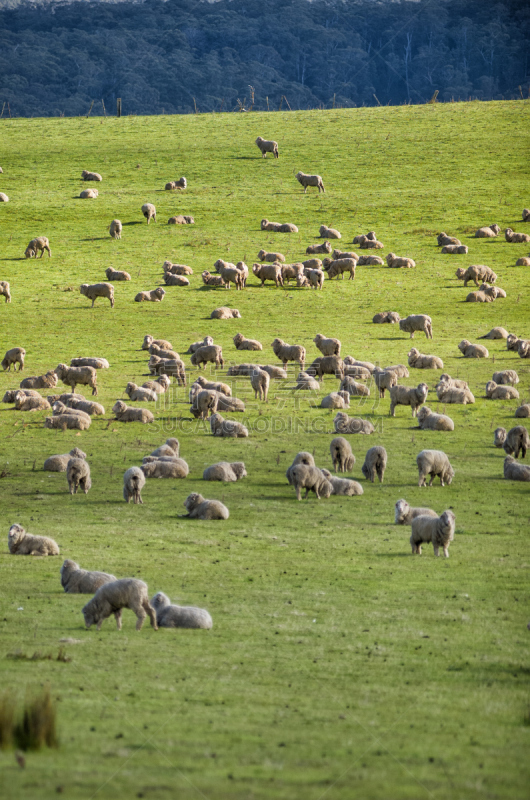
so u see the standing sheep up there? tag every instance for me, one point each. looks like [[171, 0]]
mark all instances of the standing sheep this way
[[199, 508], [78, 475], [420, 361], [405, 396], [515, 441], [260, 380], [21, 543], [311, 479], [433, 463], [384, 379], [13, 357], [5, 291], [80, 581], [40, 244], [169, 615], [300, 458], [212, 353], [289, 352], [310, 180], [72, 376], [405, 513], [95, 290], [268, 272], [112, 597], [429, 421], [341, 454], [469, 350], [416, 322], [438, 530], [478, 272], [115, 229], [267, 146], [149, 212], [375, 464], [133, 483], [328, 347], [514, 471], [345, 424], [125, 413]]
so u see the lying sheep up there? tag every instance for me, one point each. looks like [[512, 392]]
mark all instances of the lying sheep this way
[[170, 447], [21, 543], [514, 471], [225, 313], [137, 393], [172, 616], [267, 146], [168, 366], [375, 464], [523, 348], [344, 254], [438, 530], [444, 239], [523, 262], [405, 396], [199, 508], [246, 344], [310, 180], [489, 232], [174, 468], [75, 580], [260, 380], [177, 269], [386, 316], [515, 441], [112, 597], [338, 266], [216, 386], [370, 244], [486, 296], [457, 383], [125, 413], [149, 212], [518, 238], [370, 261], [59, 463], [336, 400], [512, 341], [495, 392], [268, 272], [420, 361], [416, 322], [176, 280], [278, 227], [227, 427], [89, 194], [300, 458], [371, 235], [91, 176], [311, 479], [211, 280], [95, 290], [345, 424], [13, 357], [25, 403], [496, 333], [353, 388], [225, 471], [274, 372], [73, 376], [306, 382], [46, 381], [212, 353], [10, 395], [154, 296], [68, 422], [180, 184], [455, 249], [429, 421], [78, 475], [115, 230], [328, 347], [161, 352], [507, 376], [97, 363], [397, 261], [384, 379], [325, 247], [329, 233], [478, 272], [433, 463], [469, 350], [494, 291], [40, 244], [117, 275], [346, 487], [341, 454], [5, 291], [400, 370], [452, 394], [195, 346], [163, 344], [289, 352], [242, 369], [263, 255], [405, 513], [133, 483]]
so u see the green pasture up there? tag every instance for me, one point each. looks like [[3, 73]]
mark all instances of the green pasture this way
[[339, 666]]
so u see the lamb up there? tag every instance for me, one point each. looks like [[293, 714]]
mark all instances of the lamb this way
[[495, 392], [97, 363], [227, 427], [397, 261], [289, 352], [446, 393], [174, 468], [136, 392], [170, 447], [523, 262], [91, 176], [124, 413], [328, 347], [478, 272], [172, 616], [229, 272], [72, 376], [216, 386], [313, 249], [311, 479], [345, 424], [300, 458], [149, 212], [246, 344], [384, 379], [346, 487], [21, 543], [339, 266], [199, 508], [268, 272], [507, 376], [371, 235], [341, 454], [405, 513], [212, 353], [168, 366], [416, 322], [95, 290], [496, 333], [5, 291], [25, 403], [78, 475], [176, 280], [225, 313], [523, 411], [329, 233], [243, 269], [59, 463], [469, 350], [263, 255], [405, 396], [68, 422], [438, 530], [353, 388], [180, 184], [154, 296], [112, 597], [259, 380], [46, 381], [278, 227], [177, 269], [514, 471], [487, 296], [336, 400], [420, 361], [306, 382], [489, 232], [89, 194], [518, 238], [433, 463], [225, 471], [455, 249], [115, 230], [13, 357], [370, 261], [429, 421], [443, 239], [386, 316], [163, 344], [375, 464], [310, 180], [267, 146], [517, 439], [40, 244]]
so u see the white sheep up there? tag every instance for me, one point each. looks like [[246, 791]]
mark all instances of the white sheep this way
[[268, 272], [469, 350], [306, 382], [345, 424], [310, 478], [112, 597], [181, 183], [176, 280], [278, 227], [267, 146], [405, 396], [89, 194], [289, 352], [225, 313], [216, 386], [95, 290], [124, 413], [91, 176], [72, 376], [133, 483], [518, 238], [329, 233], [4, 198], [420, 361], [345, 487], [386, 316], [24, 402], [496, 333], [455, 249], [162, 468], [170, 447], [40, 244], [312, 249], [429, 421], [404, 514], [384, 379], [75, 580], [341, 454], [200, 508], [136, 392], [416, 322], [21, 543], [242, 343], [259, 380], [488, 232], [169, 615], [78, 475], [68, 422], [263, 255], [97, 363], [438, 530], [225, 471], [477, 272], [514, 471], [163, 344], [115, 229], [227, 427], [310, 180], [443, 239], [154, 296], [397, 261], [354, 389], [5, 291], [336, 400], [375, 463], [506, 377], [433, 463], [514, 442], [59, 463], [212, 353], [149, 212], [328, 347], [13, 357], [495, 392]]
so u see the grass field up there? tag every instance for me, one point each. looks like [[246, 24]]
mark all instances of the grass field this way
[[339, 666]]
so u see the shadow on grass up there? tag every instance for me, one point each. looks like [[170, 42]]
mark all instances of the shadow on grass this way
[[96, 239], [134, 222], [18, 258]]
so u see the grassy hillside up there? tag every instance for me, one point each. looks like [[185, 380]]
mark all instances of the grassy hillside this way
[[338, 665]]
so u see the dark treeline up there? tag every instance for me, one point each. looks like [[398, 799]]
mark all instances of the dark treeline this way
[[176, 56]]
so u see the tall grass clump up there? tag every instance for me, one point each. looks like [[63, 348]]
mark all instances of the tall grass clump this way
[[37, 728]]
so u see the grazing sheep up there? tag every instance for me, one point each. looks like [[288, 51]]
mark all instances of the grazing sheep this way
[[227, 427], [310, 180], [97, 363], [212, 353], [68, 422], [489, 232], [124, 413], [267, 146], [21, 543], [370, 261], [420, 361], [95, 290], [336, 400], [199, 508], [444, 239], [289, 352], [89, 194], [5, 291], [31, 403], [41, 244], [278, 227], [455, 249], [46, 381], [216, 386], [375, 464], [346, 487], [517, 439], [329, 233], [259, 380], [405, 396], [72, 376], [496, 333], [112, 597], [246, 344], [386, 316], [433, 463], [78, 475], [341, 454], [176, 280], [353, 388], [523, 262], [338, 266], [91, 176], [495, 392], [311, 479], [487, 296], [507, 376], [478, 272], [306, 382], [161, 343], [225, 313], [446, 393], [405, 513], [345, 424], [154, 296], [133, 483], [313, 249], [268, 272], [263, 255], [518, 238], [75, 580], [115, 230], [169, 615], [136, 393], [171, 468], [225, 471], [438, 530], [149, 212], [429, 421], [180, 184], [204, 403], [314, 277], [384, 379], [460, 272], [328, 347], [469, 350], [300, 458], [13, 357], [292, 272], [416, 322], [60, 463], [397, 261], [211, 280], [400, 370], [170, 447], [514, 471]]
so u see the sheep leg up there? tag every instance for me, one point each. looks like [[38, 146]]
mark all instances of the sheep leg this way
[[446, 551], [412, 335], [151, 613], [392, 410], [436, 550], [117, 617], [140, 613]]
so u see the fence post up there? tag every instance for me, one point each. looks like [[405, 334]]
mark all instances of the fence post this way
[[118, 107]]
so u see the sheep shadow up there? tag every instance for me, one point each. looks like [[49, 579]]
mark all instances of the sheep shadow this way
[[394, 555], [95, 239], [17, 258], [134, 222]]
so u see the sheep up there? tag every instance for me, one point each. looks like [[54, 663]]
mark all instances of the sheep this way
[[163, 344], [75, 580], [243, 269], [259, 381], [211, 280], [4, 198], [169, 615], [345, 424], [477, 272], [170, 447], [13, 357], [60, 409], [353, 388], [112, 597], [455, 249], [397, 261], [291, 272], [443, 239], [512, 341], [499, 437], [327, 365], [518, 238], [350, 361], [328, 347], [488, 232], [386, 316], [346, 487], [384, 379], [346, 254], [514, 471], [433, 463], [200, 508], [60, 463], [225, 471], [400, 370], [306, 382], [25, 403], [338, 266], [149, 212], [310, 180], [216, 386], [329, 233], [370, 244], [195, 346], [496, 333], [91, 176], [180, 184], [97, 363], [312, 263], [370, 261], [124, 413], [405, 396], [429, 421], [242, 369], [469, 350], [225, 313], [420, 361], [274, 372], [177, 269], [46, 381], [136, 392], [507, 376], [21, 543], [229, 272], [68, 422], [5, 291], [494, 291], [246, 344], [289, 352], [495, 392], [517, 439], [526, 215], [168, 366], [341, 454], [523, 262], [300, 458], [370, 235], [452, 391], [220, 426], [154, 296], [311, 479], [405, 513], [41, 244], [416, 322], [95, 290], [438, 530], [115, 230], [313, 249], [375, 464], [336, 400], [212, 353], [523, 348], [204, 403], [176, 280], [487, 296], [268, 272], [89, 194], [267, 146], [278, 227], [460, 272], [263, 255], [155, 350], [72, 376], [315, 278], [78, 475], [174, 468]]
